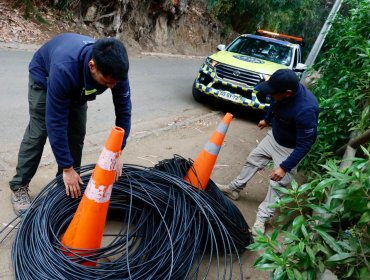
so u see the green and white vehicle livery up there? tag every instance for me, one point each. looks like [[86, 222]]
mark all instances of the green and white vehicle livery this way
[[232, 73]]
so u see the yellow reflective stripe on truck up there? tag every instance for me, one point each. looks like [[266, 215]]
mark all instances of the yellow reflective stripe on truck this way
[[254, 102]]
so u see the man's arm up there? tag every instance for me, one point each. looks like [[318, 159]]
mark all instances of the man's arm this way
[[72, 182], [122, 105], [306, 126], [56, 117], [262, 124], [268, 116]]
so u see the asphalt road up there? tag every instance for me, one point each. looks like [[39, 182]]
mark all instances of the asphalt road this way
[[161, 96]]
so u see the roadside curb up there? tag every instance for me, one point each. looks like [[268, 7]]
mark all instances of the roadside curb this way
[[157, 132], [173, 55], [176, 125], [34, 47], [18, 46]]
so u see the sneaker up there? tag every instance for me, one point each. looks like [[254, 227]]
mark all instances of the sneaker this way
[[21, 200], [258, 227], [234, 195]]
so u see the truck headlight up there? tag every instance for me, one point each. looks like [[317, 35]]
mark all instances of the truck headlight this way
[[266, 77], [210, 62]]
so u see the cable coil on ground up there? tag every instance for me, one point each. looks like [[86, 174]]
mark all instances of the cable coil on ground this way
[[168, 230]]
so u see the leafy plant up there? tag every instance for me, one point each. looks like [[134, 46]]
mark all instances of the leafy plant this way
[[322, 224], [344, 89]]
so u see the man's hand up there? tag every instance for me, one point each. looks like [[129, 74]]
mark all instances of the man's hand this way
[[72, 182], [118, 167], [277, 174], [262, 124]]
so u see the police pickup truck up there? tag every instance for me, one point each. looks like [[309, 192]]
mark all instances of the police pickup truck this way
[[232, 73]]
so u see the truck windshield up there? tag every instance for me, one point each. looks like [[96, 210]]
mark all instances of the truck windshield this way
[[266, 50]]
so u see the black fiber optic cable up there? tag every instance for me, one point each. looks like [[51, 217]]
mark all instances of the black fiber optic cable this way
[[168, 230]]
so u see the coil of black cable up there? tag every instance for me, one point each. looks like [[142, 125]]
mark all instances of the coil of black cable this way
[[169, 230]]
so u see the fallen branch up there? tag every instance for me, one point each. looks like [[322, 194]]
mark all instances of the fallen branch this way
[[355, 142]]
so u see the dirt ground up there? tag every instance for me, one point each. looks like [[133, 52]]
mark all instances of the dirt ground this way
[[185, 139]]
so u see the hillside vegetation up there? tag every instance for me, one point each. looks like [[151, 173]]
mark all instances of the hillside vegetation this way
[[178, 26]]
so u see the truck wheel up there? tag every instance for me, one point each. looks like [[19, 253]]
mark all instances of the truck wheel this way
[[199, 96]]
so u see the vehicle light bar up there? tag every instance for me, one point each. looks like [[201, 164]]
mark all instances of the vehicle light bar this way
[[274, 34]]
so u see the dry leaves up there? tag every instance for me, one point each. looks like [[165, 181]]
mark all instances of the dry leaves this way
[[14, 28]]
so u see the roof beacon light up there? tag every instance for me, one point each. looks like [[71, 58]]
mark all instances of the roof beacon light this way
[[279, 35]]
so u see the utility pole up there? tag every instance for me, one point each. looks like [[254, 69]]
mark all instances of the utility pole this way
[[321, 38]]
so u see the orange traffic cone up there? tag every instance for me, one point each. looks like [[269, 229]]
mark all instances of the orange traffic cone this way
[[86, 228], [200, 172]]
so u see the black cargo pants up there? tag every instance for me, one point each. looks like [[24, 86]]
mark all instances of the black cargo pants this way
[[35, 136]]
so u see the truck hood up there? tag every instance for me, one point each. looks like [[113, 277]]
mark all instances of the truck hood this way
[[247, 62]]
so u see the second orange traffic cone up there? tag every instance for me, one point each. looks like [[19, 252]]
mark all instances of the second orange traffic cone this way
[[200, 172], [86, 228]]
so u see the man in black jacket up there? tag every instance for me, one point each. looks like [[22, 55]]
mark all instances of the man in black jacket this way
[[293, 116], [64, 74]]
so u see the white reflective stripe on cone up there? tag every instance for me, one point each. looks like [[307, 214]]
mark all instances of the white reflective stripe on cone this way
[[212, 148], [222, 128], [107, 160], [98, 194]]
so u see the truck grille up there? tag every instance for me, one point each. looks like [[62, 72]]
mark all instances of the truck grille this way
[[239, 75]]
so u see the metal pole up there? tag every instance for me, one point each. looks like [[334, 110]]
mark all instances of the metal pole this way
[[321, 37]]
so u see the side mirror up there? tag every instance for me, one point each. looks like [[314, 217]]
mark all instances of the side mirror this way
[[300, 67], [221, 47]]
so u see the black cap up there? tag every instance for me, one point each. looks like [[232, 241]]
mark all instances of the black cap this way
[[281, 81]]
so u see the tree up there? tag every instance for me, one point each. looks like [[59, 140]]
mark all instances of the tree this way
[[245, 16]]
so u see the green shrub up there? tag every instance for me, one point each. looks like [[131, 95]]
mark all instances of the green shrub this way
[[343, 90], [325, 233]]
